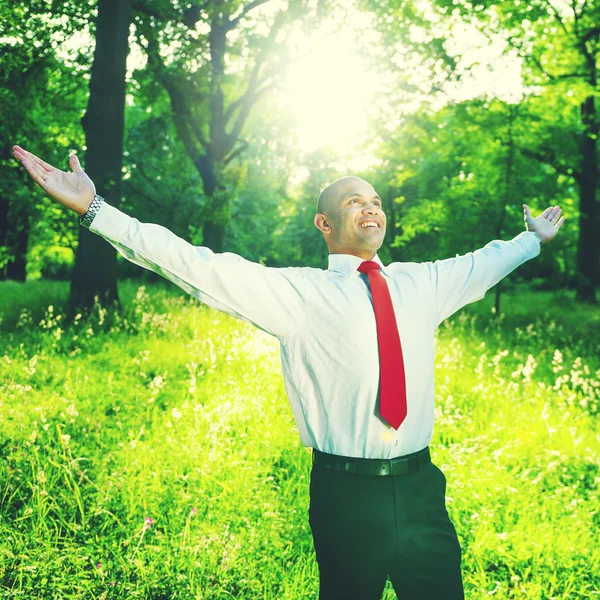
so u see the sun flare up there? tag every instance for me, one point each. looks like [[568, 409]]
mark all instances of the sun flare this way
[[329, 91]]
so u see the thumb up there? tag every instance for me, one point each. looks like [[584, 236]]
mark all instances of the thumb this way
[[75, 165], [527, 211]]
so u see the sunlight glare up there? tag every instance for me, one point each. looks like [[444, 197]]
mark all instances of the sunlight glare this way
[[329, 91]]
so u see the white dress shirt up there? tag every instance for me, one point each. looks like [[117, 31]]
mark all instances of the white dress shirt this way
[[325, 324]]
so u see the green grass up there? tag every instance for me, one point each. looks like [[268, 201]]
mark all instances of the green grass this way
[[178, 414]]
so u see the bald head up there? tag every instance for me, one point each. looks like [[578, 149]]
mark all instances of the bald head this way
[[331, 195], [351, 218]]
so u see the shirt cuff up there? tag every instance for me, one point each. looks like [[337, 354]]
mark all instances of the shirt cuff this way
[[110, 223], [538, 236], [532, 243]]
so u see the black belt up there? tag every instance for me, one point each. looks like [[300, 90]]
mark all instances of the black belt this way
[[373, 466]]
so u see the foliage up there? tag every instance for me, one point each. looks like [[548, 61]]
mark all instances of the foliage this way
[[133, 464], [443, 166], [32, 80], [448, 173]]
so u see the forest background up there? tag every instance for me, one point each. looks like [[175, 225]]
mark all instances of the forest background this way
[[132, 464], [238, 114]]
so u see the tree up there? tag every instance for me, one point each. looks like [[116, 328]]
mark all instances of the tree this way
[[559, 45], [208, 109], [32, 79], [95, 264]]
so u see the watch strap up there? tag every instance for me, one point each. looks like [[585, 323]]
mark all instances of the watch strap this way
[[86, 219]]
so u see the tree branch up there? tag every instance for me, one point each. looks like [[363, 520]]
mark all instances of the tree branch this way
[[236, 152], [246, 101], [529, 57], [230, 24], [142, 7], [237, 103], [558, 17], [550, 159], [595, 32], [184, 121]]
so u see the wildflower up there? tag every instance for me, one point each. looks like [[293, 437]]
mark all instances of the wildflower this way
[[99, 565], [148, 522], [193, 512]]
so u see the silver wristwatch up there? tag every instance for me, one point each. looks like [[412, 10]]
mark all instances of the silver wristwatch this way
[[86, 219]]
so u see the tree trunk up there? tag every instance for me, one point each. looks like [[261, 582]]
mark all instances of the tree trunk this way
[[14, 237], [588, 244], [391, 211], [18, 239], [213, 235], [3, 235], [211, 156], [95, 271], [216, 209], [216, 216], [510, 157]]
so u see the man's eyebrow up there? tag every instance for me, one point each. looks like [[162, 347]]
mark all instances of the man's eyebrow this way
[[352, 194]]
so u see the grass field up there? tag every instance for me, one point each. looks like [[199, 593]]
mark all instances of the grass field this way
[[160, 460]]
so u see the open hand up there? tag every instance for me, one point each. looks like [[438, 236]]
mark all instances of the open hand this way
[[547, 224], [74, 190]]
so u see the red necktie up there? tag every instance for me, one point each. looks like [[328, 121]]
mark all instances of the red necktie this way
[[392, 384]]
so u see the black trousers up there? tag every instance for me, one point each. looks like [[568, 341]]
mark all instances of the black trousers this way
[[368, 527]]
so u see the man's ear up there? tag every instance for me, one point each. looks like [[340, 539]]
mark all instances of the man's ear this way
[[322, 223]]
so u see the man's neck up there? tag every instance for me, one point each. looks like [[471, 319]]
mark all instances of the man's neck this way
[[364, 255]]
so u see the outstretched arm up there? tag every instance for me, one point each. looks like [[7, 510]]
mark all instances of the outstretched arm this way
[[267, 297], [456, 282]]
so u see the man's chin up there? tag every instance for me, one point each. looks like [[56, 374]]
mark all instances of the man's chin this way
[[371, 245]]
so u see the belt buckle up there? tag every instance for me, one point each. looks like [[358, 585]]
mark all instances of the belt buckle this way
[[385, 468]]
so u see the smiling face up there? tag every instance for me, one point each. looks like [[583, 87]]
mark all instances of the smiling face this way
[[350, 216]]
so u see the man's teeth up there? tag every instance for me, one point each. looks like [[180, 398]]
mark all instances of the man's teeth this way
[[369, 224]]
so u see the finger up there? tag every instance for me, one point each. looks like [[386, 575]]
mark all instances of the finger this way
[[40, 162], [19, 153], [32, 167], [35, 171], [562, 220], [17, 150], [75, 164], [555, 214]]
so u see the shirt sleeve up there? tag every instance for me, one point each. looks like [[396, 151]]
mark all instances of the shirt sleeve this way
[[456, 282], [267, 297]]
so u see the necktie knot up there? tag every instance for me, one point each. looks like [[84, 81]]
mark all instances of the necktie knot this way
[[368, 265]]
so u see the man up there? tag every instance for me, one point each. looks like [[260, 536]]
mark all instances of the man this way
[[357, 350]]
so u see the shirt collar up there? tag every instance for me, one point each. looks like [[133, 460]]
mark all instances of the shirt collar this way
[[347, 264]]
